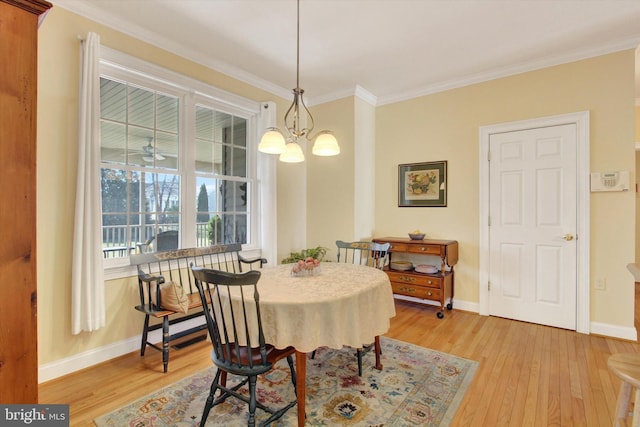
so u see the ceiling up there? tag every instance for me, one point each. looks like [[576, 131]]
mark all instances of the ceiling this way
[[382, 50]]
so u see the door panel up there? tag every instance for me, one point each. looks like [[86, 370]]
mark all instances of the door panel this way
[[532, 204]]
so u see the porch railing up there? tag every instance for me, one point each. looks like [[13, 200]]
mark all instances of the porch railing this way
[[115, 243]]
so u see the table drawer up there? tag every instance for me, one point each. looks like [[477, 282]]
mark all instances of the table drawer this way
[[399, 247], [425, 249], [416, 291], [414, 279]]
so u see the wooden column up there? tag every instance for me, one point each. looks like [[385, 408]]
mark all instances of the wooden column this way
[[18, 286]]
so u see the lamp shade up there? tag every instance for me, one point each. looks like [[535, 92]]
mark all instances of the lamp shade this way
[[293, 153], [272, 142], [326, 145]]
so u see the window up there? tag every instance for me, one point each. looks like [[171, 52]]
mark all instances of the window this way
[[221, 168], [176, 168]]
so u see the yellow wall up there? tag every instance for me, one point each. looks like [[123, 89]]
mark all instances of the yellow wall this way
[[330, 180], [58, 84], [638, 122], [637, 182], [444, 126], [316, 200], [637, 194]]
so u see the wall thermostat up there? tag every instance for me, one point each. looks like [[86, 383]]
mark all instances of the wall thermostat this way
[[610, 181]]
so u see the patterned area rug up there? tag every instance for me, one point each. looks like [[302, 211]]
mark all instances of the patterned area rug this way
[[417, 386]]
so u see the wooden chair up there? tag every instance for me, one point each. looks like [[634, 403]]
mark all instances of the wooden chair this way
[[626, 366], [164, 241], [235, 350], [158, 268], [373, 255]]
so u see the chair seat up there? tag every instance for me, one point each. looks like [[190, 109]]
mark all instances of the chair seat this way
[[626, 366], [273, 355]]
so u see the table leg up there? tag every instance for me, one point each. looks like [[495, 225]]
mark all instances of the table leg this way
[[301, 385], [378, 351], [636, 409], [624, 402]]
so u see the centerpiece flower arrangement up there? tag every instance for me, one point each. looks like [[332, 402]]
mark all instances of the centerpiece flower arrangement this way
[[307, 267], [306, 262]]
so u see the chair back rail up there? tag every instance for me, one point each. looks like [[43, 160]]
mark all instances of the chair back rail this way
[[156, 268], [365, 253], [232, 326]]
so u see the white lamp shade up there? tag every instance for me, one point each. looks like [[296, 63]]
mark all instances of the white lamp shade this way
[[326, 145], [293, 153], [272, 142]]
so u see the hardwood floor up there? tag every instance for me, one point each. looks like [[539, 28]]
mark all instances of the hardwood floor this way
[[529, 375]]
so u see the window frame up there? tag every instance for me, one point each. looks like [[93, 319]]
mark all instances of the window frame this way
[[190, 92]]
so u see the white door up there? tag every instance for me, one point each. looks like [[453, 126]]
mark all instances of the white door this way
[[532, 231]]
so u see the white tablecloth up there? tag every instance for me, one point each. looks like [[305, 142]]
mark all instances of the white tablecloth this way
[[343, 304]]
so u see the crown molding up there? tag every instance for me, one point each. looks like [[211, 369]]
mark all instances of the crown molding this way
[[366, 96], [90, 11], [357, 91], [549, 61]]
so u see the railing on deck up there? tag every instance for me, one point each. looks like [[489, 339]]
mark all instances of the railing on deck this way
[[115, 243]]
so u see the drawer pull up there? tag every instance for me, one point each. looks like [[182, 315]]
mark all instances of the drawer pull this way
[[403, 289], [422, 249], [407, 279], [429, 282], [429, 294]]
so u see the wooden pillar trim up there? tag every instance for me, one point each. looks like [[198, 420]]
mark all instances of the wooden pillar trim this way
[[37, 7], [18, 273]]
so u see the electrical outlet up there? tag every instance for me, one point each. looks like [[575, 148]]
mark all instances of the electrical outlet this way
[[600, 284]]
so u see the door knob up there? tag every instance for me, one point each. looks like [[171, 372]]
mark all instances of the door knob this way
[[568, 237]]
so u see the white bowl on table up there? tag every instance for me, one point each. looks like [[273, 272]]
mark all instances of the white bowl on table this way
[[428, 269], [401, 265]]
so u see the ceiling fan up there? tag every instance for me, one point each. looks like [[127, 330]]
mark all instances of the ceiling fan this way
[[148, 153]]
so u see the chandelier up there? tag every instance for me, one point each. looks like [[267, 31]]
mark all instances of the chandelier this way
[[274, 142]]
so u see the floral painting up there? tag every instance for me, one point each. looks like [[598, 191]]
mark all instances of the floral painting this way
[[422, 184]]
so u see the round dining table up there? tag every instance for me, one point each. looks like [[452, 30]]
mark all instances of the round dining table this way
[[338, 305], [341, 304]]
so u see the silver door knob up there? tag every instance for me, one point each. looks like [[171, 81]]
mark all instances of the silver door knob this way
[[568, 237]]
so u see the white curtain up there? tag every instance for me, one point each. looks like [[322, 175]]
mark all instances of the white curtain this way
[[88, 302]]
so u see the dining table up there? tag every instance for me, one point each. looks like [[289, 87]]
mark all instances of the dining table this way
[[334, 305]]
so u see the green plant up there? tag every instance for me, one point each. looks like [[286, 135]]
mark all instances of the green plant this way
[[316, 253]]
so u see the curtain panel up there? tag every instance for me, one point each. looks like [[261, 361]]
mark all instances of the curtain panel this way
[[88, 300]]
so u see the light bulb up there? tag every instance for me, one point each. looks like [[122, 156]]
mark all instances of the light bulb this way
[[272, 142], [326, 145], [293, 153]]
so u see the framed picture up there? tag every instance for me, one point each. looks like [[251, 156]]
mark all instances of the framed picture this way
[[422, 184]]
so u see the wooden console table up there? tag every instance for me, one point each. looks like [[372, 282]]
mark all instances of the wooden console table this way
[[434, 287]]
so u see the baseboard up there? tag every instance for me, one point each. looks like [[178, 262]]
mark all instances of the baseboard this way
[[614, 331], [68, 365], [596, 328], [59, 368], [457, 304]]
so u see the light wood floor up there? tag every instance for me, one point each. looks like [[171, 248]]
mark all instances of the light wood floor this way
[[529, 375]]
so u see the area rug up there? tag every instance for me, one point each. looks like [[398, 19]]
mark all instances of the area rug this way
[[417, 386]]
